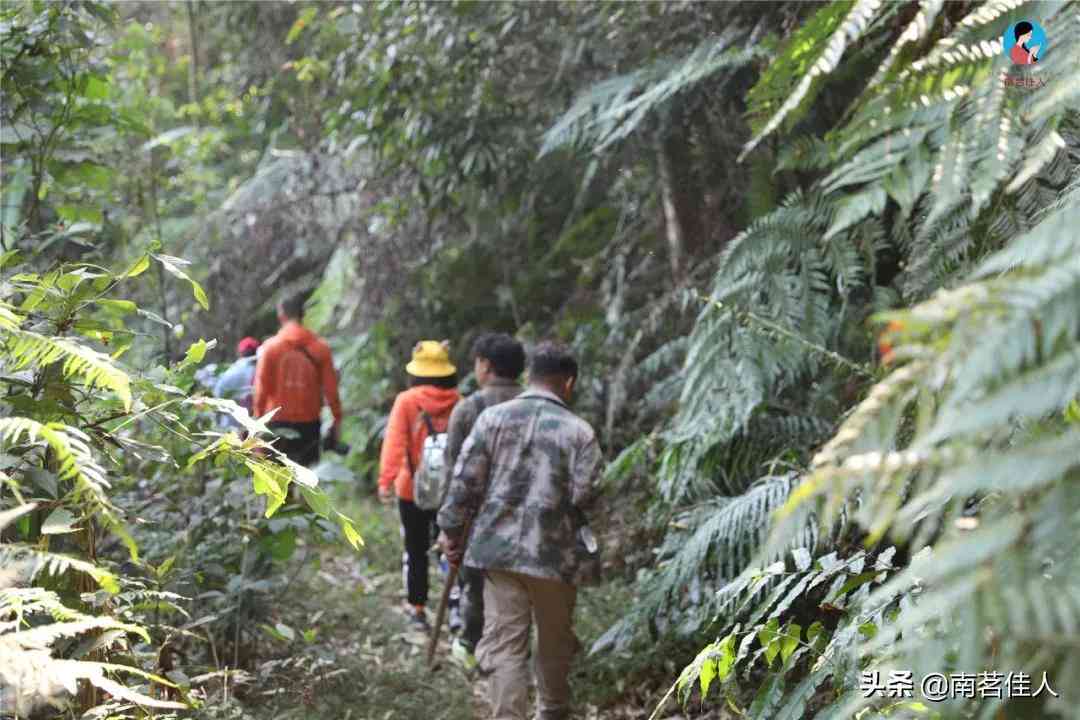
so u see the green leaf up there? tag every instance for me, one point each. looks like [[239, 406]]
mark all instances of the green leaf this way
[[280, 545], [59, 522], [97, 88], [266, 481], [196, 352], [141, 265], [200, 295], [789, 641], [163, 569], [708, 673], [83, 218], [317, 501], [767, 636], [174, 266], [10, 257], [351, 535], [153, 317], [120, 307]]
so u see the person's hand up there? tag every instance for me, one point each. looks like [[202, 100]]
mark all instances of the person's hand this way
[[453, 549], [386, 495], [1035, 51]]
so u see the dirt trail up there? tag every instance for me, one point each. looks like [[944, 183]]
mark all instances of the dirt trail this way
[[355, 658]]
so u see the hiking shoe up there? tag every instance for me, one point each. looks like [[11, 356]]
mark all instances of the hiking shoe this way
[[417, 617], [463, 656], [455, 621]]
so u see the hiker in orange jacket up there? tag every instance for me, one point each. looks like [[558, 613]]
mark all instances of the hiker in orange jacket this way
[[432, 392], [295, 373]]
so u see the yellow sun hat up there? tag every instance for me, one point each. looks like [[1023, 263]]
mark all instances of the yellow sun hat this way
[[431, 359]]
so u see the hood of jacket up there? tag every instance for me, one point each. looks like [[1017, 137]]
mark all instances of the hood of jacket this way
[[296, 334], [435, 401]]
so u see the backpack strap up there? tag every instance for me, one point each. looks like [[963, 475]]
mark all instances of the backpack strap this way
[[302, 349], [431, 432], [427, 421]]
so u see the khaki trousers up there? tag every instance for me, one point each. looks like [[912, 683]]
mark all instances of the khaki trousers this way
[[512, 602]]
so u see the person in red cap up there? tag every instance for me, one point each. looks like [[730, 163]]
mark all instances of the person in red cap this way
[[235, 383]]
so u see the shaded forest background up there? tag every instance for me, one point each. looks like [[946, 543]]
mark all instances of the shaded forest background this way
[[819, 261]]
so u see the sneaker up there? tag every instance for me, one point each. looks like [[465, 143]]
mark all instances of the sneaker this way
[[417, 617], [455, 621], [463, 656]]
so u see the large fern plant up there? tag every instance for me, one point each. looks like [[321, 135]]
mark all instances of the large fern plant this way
[[935, 163], [966, 455]]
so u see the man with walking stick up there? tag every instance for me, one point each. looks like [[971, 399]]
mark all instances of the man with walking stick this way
[[498, 362], [526, 477]]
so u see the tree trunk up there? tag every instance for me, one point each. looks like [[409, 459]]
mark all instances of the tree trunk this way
[[193, 66], [681, 203]]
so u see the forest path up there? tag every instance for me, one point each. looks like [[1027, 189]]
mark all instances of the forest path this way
[[364, 663]]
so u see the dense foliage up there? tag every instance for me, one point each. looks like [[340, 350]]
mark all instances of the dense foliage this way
[[818, 260]]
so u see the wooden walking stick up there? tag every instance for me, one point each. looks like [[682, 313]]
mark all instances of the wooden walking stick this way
[[451, 578]]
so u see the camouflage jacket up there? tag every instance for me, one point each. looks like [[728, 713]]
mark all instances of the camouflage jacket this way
[[465, 413], [527, 474]]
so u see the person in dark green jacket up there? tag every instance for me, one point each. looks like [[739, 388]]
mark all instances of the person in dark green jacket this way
[[498, 362], [528, 475]]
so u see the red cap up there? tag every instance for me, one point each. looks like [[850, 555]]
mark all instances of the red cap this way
[[247, 346]]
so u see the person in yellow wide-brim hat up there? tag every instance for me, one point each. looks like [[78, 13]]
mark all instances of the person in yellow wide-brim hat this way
[[430, 360], [419, 411]]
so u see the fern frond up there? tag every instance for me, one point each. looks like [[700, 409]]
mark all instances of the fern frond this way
[[11, 515], [96, 369], [613, 109], [916, 31], [851, 28], [75, 462], [44, 636], [732, 532], [1052, 240], [40, 561], [9, 320], [997, 360], [29, 673]]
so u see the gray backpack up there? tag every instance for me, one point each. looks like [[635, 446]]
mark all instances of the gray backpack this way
[[429, 478]]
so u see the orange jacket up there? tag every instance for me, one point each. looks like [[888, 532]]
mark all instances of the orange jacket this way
[[406, 431], [285, 378]]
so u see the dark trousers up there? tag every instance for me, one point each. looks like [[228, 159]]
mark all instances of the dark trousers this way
[[472, 605], [419, 529], [301, 441]]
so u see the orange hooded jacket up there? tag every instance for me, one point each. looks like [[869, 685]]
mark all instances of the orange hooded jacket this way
[[280, 365], [406, 431]]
